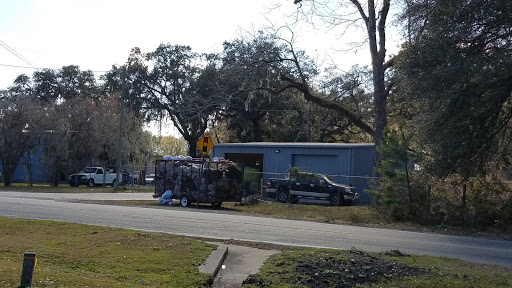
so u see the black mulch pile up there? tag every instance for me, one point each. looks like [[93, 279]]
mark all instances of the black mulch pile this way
[[359, 268]]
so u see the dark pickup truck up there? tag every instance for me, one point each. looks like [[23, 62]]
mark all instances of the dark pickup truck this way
[[311, 185]]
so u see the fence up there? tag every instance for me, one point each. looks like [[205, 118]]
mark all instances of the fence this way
[[43, 175], [254, 181]]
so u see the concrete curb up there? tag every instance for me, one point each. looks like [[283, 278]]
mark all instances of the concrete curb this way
[[215, 261]]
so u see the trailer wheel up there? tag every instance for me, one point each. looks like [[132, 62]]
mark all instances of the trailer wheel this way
[[282, 195], [216, 204], [184, 201]]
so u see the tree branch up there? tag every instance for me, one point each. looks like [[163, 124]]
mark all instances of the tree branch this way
[[361, 10], [382, 28], [389, 63], [326, 103]]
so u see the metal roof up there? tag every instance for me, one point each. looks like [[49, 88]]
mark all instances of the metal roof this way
[[296, 145]]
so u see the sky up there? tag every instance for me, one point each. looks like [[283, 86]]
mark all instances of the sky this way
[[96, 34]]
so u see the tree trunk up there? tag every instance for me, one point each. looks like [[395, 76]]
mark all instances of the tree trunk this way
[[104, 174], [56, 175], [6, 170], [464, 205], [379, 90], [257, 133], [378, 54], [428, 204], [409, 189], [28, 169], [379, 103], [192, 149]]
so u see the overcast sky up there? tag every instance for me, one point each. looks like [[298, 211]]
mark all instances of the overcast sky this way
[[95, 34]]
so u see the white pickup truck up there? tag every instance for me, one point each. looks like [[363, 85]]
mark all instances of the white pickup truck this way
[[92, 176]]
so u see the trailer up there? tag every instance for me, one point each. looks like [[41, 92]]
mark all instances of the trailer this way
[[199, 180]]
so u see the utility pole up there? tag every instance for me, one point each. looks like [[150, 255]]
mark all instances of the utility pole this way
[[120, 133]]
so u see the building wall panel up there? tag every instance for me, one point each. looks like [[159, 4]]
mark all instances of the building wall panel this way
[[352, 164]]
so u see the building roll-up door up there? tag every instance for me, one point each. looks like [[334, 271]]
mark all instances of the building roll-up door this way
[[325, 164]]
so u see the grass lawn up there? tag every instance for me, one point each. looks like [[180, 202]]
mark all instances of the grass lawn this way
[[340, 215], [328, 268], [65, 188], [77, 255], [328, 214]]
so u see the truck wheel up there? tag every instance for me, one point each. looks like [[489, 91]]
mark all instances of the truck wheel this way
[[184, 201], [334, 200], [282, 195], [113, 183], [91, 183]]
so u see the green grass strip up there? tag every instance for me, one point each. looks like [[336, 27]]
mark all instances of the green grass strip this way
[[76, 255]]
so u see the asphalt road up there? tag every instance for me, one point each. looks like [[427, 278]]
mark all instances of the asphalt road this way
[[215, 224]]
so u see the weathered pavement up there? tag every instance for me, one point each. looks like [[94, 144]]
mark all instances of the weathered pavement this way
[[216, 225]]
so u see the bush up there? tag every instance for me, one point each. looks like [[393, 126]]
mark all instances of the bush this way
[[439, 202], [490, 204]]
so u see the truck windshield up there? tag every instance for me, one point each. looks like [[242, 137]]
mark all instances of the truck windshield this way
[[89, 170], [327, 180]]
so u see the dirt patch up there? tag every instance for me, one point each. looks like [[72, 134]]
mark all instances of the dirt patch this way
[[358, 269]]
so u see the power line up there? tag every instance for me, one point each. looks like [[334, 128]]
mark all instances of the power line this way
[[15, 53], [17, 66], [34, 68], [24, 59], [25, 49]]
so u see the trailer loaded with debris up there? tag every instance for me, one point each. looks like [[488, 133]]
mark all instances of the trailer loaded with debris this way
[[214, 181]]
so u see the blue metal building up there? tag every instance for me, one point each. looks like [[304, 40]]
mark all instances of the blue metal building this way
[[350, 164], [39, 173]]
